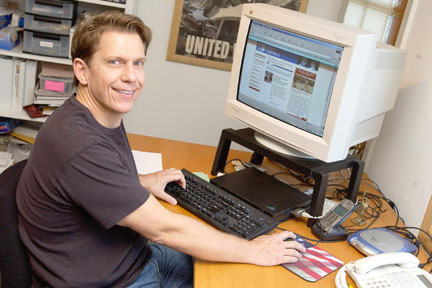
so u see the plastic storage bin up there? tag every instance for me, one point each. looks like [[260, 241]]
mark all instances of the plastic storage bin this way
[[47, 24], [54, 8], [50, 98], [46, 44], [56, 84]]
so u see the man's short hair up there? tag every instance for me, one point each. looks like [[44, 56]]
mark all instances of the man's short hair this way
[[89, 30]]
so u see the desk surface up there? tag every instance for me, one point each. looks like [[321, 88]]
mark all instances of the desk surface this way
[[199, 158]]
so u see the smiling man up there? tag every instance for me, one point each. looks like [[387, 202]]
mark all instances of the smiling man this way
[[84, 213], [112, 80]]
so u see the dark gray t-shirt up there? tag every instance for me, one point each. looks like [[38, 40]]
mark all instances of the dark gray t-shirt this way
[[80, 180]]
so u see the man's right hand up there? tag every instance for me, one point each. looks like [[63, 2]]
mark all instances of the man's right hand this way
[[269, 250], [187, 235]]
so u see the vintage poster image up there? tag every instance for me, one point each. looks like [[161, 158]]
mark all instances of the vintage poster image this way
[[203, 32]]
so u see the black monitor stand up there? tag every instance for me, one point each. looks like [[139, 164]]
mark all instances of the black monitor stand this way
[[316, 169]]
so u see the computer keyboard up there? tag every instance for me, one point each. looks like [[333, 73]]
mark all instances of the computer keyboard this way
[[219, 208]]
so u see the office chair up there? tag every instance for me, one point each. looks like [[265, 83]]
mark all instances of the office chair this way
[[14, 262]]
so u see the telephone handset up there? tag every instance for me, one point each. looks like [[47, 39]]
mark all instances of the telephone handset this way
[[393, 269], [403, 260], [328, 227]]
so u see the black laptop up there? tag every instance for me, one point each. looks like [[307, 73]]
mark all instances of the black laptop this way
[[263, 191]]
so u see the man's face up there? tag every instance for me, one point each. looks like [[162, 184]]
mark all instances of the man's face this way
[[115, 73]]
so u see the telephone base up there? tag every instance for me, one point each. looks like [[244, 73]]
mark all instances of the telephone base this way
[[337, 233]]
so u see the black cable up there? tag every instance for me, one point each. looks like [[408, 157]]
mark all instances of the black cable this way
[[376, 186], [313, 240], [337, 185], [416, 241], [388, 200], [372, 211]]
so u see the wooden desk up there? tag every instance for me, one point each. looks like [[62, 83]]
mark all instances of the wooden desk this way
[[199, 158]]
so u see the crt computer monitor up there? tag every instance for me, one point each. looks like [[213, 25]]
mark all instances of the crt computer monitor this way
[[310, 85]]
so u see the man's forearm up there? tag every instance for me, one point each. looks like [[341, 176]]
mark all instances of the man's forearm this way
[[205, 242], [200, 240]]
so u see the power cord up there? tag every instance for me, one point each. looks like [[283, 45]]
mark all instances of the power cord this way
[[404, 232], [301, 212]]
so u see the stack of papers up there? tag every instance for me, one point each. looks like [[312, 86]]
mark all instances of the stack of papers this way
[[24, 133], [149, 162], [5, 160]]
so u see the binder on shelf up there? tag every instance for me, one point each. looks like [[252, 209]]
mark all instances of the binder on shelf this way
[[6, 83], [30, 82], [18, 84]]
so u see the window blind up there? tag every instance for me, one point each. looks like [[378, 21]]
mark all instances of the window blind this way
[[371, 15]]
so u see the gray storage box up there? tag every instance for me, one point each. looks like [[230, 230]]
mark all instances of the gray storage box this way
[[47, 24], [46, 44], [53, 8]]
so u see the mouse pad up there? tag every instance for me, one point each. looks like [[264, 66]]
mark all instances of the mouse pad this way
[[315, 263]]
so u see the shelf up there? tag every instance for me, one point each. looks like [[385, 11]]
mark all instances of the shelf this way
[[17, 52], [129, 7], [19, 114], [105, 3]]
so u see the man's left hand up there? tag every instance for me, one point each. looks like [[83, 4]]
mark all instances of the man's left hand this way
[[155, 183]]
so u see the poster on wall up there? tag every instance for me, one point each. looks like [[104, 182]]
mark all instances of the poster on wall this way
[[203, 32]]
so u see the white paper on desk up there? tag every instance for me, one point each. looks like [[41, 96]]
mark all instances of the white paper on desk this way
[[147, 162]]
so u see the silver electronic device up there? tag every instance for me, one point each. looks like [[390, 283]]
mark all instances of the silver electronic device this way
[[380, 240], [329, 226]]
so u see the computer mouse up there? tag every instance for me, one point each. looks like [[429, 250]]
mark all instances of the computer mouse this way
[[300, 240], [295, 239]]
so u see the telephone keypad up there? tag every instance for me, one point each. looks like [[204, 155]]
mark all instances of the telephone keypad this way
[[390, 279]]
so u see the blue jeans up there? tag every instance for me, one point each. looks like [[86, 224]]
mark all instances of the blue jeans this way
[[166, 268]]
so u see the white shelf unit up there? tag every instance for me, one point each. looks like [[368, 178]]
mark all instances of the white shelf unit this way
[[20, 113], [108, 4], [18, 53]]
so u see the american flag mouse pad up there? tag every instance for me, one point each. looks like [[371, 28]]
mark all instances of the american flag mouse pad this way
[[315, 263]]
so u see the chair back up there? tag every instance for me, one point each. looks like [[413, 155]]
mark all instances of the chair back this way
[[14, 262]]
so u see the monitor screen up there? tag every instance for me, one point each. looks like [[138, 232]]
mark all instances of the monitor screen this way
[[288, 76], [308, 84]]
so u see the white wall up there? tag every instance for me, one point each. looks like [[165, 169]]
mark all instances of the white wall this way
[[329, 9], [400, 162], [186, 102], [178, 101]]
